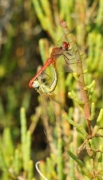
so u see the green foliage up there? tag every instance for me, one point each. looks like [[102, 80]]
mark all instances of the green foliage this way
[[16, 162], [73, 152]]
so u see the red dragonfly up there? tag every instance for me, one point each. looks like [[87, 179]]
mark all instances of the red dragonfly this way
[[69, 50], [56, 52]]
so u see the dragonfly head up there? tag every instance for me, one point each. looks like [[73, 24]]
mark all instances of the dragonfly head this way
[[65, 45]]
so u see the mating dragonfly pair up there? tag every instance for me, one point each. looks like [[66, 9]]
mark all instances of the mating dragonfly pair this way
[[68, 50]]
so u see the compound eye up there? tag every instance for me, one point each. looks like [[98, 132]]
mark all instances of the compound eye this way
[[65, 45]]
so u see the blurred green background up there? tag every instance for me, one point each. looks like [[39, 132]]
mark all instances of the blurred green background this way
[[20, 32], [26, 27]]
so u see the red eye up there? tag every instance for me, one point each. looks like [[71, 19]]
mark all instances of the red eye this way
[[66, 45]]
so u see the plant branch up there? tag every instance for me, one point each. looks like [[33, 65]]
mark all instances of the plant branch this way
[[84, 95]]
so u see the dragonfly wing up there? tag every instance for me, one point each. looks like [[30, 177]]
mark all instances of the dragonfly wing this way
[[67, 68], [70, 61]]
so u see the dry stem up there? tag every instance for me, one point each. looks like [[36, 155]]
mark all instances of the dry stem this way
[[84, 95]]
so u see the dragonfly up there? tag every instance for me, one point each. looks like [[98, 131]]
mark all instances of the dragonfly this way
[[55, 54], [68, 49], [41, 87]]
